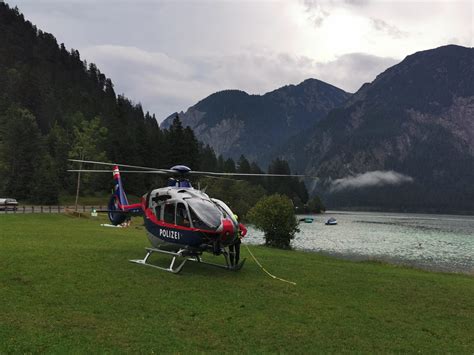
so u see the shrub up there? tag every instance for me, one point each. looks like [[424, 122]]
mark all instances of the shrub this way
[[275, 216]]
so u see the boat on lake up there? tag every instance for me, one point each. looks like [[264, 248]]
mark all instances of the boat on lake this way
[[331, 222]]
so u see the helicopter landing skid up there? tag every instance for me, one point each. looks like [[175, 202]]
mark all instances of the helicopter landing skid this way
[[182, 254], [227, 266], [171, 268]]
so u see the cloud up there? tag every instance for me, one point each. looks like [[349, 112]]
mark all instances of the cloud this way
[[370, 179], [165, 83], [162, 83], [316, 13], [350, 71], [357, 2], [129, 56], [170, 54], [390, 30]]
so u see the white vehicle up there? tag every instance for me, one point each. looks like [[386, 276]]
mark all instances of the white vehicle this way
[[8, 204]]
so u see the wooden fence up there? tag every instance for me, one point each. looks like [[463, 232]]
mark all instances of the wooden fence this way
[[49, 209]]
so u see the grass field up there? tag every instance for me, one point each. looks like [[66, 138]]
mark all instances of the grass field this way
[[66, 286]]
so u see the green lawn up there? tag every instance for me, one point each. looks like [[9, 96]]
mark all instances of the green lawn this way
[[66, 286], [84, 200]]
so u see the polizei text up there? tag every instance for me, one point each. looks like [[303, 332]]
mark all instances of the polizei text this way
[[170, 234]]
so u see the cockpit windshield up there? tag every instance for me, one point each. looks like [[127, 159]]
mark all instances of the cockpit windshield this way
[[206, 211], [227, 211]]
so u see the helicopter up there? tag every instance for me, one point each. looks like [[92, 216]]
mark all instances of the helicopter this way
[[180, 221]]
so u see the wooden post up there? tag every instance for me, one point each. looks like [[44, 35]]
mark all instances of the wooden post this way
[[78, 181]]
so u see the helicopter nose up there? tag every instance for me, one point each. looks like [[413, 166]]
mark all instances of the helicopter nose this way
[[227, 229]]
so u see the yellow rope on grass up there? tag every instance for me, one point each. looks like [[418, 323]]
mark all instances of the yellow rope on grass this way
[[265, 270]]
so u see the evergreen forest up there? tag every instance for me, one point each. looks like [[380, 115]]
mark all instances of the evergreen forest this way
[[55, 106]]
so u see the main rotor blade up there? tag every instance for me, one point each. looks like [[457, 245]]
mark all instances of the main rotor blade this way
[[220, 178], [208, 173], [121, 171], [121, 165], [192, 172]]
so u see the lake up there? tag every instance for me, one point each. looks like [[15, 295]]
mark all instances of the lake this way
[[434, 242]]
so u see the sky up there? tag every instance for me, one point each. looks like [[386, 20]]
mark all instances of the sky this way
[[168, 55]]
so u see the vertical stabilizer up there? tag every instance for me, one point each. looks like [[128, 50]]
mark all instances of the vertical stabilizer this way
[[118, 200], [119, 192]]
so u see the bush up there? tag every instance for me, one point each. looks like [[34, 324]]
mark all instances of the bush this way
[[275, 216]]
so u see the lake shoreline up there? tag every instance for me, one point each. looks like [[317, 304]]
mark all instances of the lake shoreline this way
[[414, 211], [437, 243]]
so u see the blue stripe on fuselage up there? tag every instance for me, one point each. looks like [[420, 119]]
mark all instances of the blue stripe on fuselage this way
[[174, 235]]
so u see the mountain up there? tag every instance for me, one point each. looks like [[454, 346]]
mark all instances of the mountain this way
[[234, 122], [416, 118]]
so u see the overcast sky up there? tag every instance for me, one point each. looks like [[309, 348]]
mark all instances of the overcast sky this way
[[170, 54]]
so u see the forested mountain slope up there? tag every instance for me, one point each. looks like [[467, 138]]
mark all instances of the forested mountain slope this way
[[55, 106], [416, 118], [234, 122]]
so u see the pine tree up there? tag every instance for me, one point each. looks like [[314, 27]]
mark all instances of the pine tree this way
[[255, 169], [182, 145], [289, 186], [207, 159], [46, 188], [243, 165], [220, 163], [88, 142], [22, 152], [191, 146], [58, 145], [229, 166]]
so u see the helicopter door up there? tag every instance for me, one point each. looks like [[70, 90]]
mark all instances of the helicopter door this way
[[157, 205], [182, 215], [168, 213]]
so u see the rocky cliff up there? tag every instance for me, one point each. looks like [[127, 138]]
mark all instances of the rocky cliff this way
[[416, 118]]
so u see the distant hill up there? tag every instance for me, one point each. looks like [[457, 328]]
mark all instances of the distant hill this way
[[234, 122], [416, 118]]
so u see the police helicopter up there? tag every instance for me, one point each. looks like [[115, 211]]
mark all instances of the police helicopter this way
[[181, 221]]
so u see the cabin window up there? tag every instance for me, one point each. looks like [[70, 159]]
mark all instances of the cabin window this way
[[168, 215], [182, 217]]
